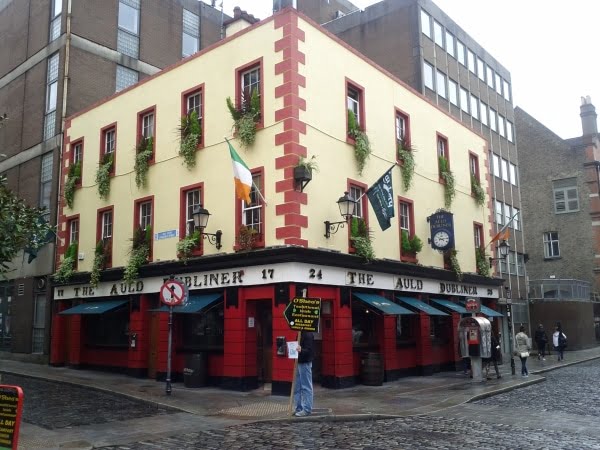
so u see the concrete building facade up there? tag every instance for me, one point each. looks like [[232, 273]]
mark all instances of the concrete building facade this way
[[57, 57]]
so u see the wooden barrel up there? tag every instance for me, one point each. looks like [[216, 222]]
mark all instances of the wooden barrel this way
[[371, 369]]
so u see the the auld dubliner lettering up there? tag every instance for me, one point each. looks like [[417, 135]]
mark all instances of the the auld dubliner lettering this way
[[451, 288], [408, 284], [360, 278], [127, 288], [85, 291], [212, 279]]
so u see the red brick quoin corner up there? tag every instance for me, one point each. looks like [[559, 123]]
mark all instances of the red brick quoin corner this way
[[293, 127]]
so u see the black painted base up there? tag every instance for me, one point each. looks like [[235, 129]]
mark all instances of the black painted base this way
[[396, 374], [332, 382], [281, 388], [137, 372], [239, 384]]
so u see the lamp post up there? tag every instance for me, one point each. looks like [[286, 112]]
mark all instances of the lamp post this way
[[347, 206], [201, 216]]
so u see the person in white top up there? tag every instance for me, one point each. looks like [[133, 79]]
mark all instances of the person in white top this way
[[559, 341]]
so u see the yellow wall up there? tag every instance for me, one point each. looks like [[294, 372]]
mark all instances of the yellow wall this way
[[327, 65]]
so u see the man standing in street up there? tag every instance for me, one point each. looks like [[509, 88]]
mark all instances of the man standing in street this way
[[303, 391], [541, 339]]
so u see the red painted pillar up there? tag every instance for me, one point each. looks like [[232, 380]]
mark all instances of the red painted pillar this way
[[137, 360], [76, 339], [424, 348], [454, 355], [342, 342], [58, 340], [388, 347]]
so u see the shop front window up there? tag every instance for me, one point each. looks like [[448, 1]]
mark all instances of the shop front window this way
[[204, 331], [365, 323], [110, 329]]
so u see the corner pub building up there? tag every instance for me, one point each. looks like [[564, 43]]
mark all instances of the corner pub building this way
[[403, 306]]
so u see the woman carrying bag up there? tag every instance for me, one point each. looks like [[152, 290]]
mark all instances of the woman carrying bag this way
[[522, 350]]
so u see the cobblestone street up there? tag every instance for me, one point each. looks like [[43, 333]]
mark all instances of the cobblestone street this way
[[560, 413]]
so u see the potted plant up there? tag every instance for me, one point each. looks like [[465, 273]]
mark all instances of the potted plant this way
[[477, 191], [100, 257], [360, 236], [407, 166], [246, 238], [362, 147], [410, 246], [103, 175], [73, 177], [245, 117], [187, 245], [449, 183], [190, 133], [143, 154], [139, 254], [66, 269], [482, 262], [304, 170]]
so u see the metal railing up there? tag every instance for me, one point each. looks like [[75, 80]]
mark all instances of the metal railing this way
[[556, 290]]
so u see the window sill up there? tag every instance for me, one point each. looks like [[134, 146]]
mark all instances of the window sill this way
[[553, 258], [409, 258]]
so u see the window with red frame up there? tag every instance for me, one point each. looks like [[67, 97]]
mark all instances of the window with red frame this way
[[478, 235], [193, 103], [354, 103], [77, 158], [360, 214], [191, 200], [143, 219], [147, 125], [105, 221], [402, 130], [250, 80], [442, 153], [407, 229], [474, 166], [253, 214], [73, 237], [109, 146]]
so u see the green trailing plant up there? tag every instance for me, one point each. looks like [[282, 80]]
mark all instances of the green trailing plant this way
[[482, 262], [362, 147], [246, 238], [143, 153], [477, 191], [360, 236], [405, 154], [103, 175], [99, 263], [449, 183], [454, 264], [245, 118], [73, 177], [67, 266], [411, 245], [310, 164], [140, 252], [186, 246], [190, 133]]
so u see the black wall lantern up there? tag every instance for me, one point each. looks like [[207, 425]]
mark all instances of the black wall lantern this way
[[201, 216], [503, 248], [347, 206]]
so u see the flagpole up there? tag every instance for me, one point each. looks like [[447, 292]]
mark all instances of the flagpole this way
[[497, 235], [253, 183], [384, 174]]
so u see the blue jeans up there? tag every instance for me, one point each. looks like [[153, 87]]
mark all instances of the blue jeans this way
[[524, 370], [303, 391]]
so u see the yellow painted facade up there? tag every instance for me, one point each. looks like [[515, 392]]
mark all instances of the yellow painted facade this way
[[328, 64]]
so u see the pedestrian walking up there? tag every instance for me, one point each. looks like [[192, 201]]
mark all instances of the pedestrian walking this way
[[541, 340], [303, 391], [559, 340], [522, 350], [496, 355]]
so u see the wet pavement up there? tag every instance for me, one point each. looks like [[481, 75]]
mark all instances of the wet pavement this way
[[116, 411]]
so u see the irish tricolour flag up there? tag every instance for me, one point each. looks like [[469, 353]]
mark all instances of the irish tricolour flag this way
[[242, 176]]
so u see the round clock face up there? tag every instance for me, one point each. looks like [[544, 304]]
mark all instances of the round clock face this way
[[441, 239]]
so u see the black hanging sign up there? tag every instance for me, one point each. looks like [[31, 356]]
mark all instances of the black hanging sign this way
[[441, 225]]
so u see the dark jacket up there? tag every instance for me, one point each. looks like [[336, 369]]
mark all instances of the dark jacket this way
[[496, 352], [541, 337], [307, 346]]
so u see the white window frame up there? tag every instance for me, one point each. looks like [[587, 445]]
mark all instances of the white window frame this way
[[493, 119], [250, 81], [551, 245], [513, 173], [193, 199], [148, 125], [109, 141], [498, 81], [509, 131], [438, 33], [490, 76], [496, 165], [453, 91], [145, 214], [566, 199], [77, 152], [483, 113], [450, 44], [506, 89], [404, 219], [460, 52], [254, 210], [499, 210], [501, 126], [428, 79], [441, 84], [107, 225], [471, 61], [74, 231], [480, 69], [464, 100], [426, 24], [357, 192], [505, 175], [474, 107], [128, 25]]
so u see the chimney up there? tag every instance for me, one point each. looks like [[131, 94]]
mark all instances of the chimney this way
[[240, 20], [588, 115], [278, 5]]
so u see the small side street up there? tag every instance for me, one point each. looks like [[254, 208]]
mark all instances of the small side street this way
[[83, 412]]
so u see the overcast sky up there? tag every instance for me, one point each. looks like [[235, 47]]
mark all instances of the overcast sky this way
[[550, 48]]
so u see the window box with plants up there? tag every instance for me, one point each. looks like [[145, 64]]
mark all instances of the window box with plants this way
[[477, 191], [103, 174], [246, 239], [447, 179], [188, 246], [406, 160], [359, 139], [246, 117], [451, 263], [139, 254], [360, 239], [411, 245], [73, 181], [304, 170], [67, 266], [190, 135], [482, 261], [101, 258], [144, 152]]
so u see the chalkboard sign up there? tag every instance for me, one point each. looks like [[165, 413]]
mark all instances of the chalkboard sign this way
[[11, 406]]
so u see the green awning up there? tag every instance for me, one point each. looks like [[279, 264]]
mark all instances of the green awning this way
[[95, 307], [490, 312], [421, 306], [450, 305], [195, 304], [382, 304]]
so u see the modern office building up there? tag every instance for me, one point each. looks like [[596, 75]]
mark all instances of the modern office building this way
[[57, 57], [560, 187], [420, 44], [282, 91]]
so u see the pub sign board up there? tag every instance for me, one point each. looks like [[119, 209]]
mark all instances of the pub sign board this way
[[441, 226], [473, 305], [303, 314], [11, 408]]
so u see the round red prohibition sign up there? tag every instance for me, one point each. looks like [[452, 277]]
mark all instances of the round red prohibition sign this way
[[172, 293]]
